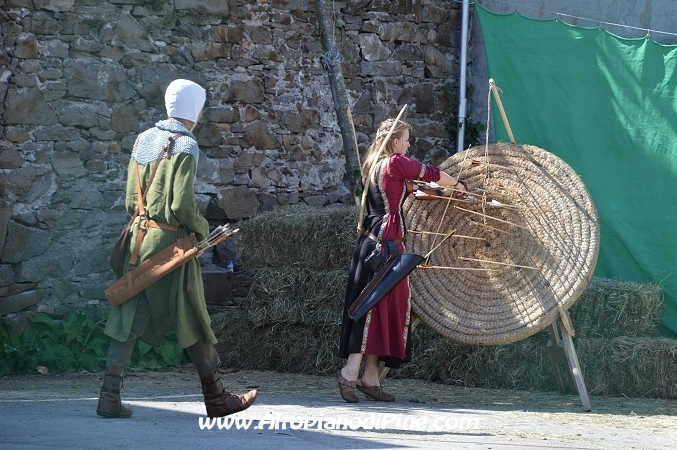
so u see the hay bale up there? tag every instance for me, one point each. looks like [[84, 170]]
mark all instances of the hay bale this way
[[521, 365], [304, 349], [630, 366], [299, 236], [612, 308], [296, 295]]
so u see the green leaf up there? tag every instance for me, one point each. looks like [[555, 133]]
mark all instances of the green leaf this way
[[44, 318], [339, 23]]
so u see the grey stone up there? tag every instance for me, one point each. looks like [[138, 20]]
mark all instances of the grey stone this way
[[372, 48], [217, 287], [209, 50], [208, 135], [218, 171], [275, 176], [28, 107], [259, 35], [26, 46], [23, 243], [316, 201], [20, 301], [41, 23], [425, 98], [125, 119], [68, 165], [78, 113], [94, 80], [238, 202], [260, 136], [130, 33], [7, 276], [250, 159], [436, 58], [301, 121], [27, 184], [215, 8], [268, 202], [54, 5], [402, 31], [251, 113], [97, 260], [250, 91], [88, 45], [24, 80], [5, 215], [222, 114], [87, 200], [16, 134], [55, 265], [258, 179], [10, 158], [409, 52], [56, 133]]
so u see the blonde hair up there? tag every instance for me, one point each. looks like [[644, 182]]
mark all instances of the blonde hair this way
[[388, 150]]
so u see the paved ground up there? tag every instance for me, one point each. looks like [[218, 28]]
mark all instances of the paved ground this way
[[297, 412]]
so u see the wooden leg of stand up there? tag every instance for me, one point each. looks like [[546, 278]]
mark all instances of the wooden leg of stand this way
[[382, 369], [575, 368]]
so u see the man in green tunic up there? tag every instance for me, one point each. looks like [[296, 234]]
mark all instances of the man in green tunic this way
[[176, 302]]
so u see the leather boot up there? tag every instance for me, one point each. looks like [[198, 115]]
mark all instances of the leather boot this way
[[109, 398], [220, 403]]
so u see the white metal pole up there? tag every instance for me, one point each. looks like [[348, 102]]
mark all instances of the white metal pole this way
[[463, 101]]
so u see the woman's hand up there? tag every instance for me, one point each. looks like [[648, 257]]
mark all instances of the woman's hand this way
[[457, 190]]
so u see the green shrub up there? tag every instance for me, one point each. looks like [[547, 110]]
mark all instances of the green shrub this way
[[76, 343]]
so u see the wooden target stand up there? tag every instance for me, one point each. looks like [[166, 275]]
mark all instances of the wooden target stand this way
[[563, 357], [561, 348]]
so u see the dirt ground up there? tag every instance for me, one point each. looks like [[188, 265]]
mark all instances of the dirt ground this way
[[611, 411]]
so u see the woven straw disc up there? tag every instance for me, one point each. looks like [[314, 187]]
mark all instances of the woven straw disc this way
[[555, 232]]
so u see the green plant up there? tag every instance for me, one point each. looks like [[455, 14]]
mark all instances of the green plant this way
[[76, 343], [472, 128]]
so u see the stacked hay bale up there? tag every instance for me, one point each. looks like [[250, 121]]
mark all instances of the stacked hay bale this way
[[290, 320], [616, 324], [300, 257]]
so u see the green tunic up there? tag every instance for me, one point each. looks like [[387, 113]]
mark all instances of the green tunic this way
[[171, 200]]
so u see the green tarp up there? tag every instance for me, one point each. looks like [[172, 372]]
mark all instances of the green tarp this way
[[608, 107]]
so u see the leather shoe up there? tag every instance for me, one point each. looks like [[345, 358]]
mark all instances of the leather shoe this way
[[347, 388], [376, 393]]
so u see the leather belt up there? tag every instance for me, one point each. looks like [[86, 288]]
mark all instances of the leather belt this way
[[373, 237], [164, 226]]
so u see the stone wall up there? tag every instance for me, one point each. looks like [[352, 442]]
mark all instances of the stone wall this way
[[79, 79]]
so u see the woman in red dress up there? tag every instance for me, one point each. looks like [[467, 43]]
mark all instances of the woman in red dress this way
[[383, 333]]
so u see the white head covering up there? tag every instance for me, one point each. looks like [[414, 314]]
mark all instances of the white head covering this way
[[184, 99]]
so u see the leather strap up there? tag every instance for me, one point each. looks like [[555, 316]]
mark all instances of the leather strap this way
[[141, 198], [373, 237]]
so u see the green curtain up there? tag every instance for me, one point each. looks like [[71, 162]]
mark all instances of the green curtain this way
[[608, 107]]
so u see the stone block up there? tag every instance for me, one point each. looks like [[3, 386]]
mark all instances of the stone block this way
[[216, 8], [97, 81], [316, 201], [7, 276], [68, 165], [238, 202], [248, 91], [24, 243], [260, 136], [17, 302], [55, 265], [10, 158], [28, 107], [217, 288]]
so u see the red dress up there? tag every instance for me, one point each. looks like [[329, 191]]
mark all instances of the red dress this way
[[384, 330]]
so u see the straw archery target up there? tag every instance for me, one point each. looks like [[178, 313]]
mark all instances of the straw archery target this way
[[508, 269]]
